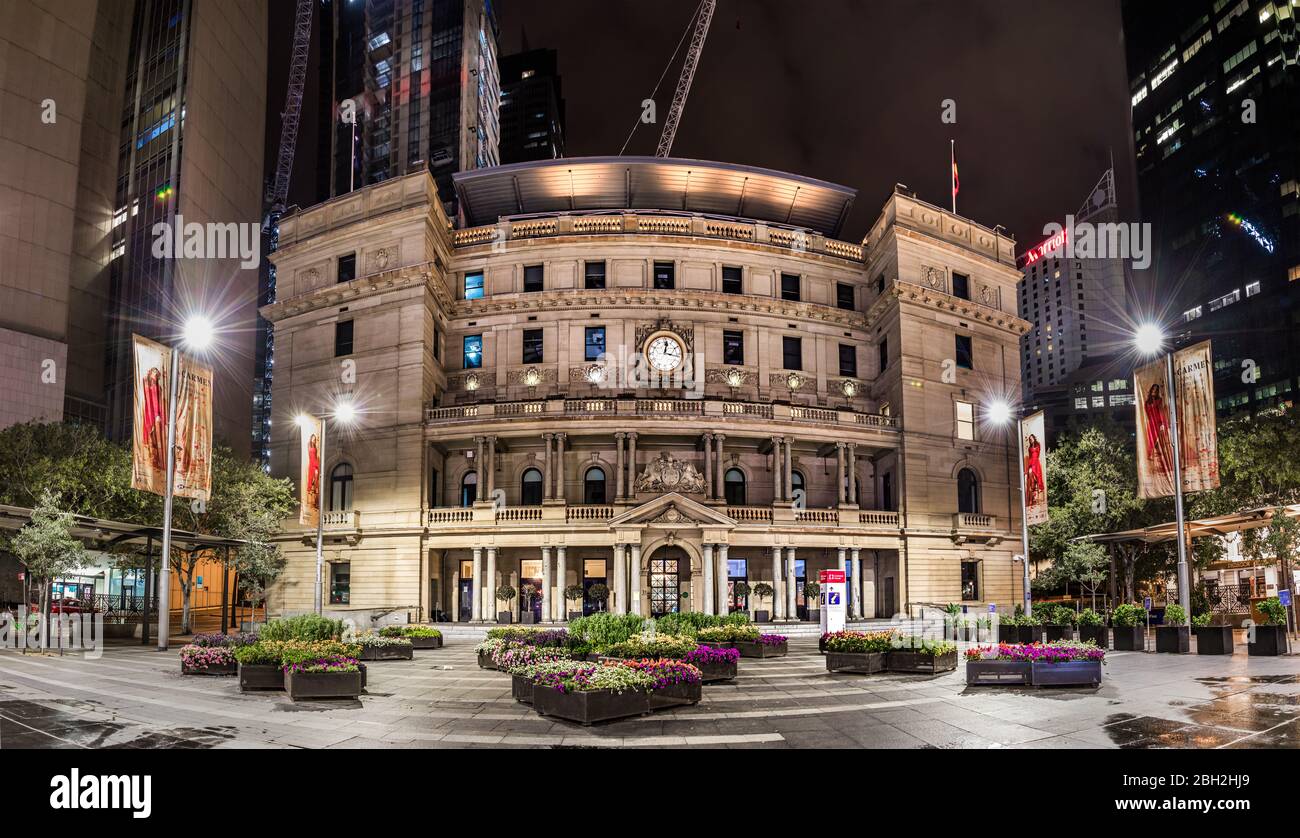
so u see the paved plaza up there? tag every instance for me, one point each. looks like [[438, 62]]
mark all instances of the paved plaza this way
[[137, 698]]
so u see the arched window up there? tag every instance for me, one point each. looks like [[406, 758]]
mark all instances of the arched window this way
[[733, 487], [341, 487], [968, 491], [469, 488], [593, 486], [530, 488], [796, 484]]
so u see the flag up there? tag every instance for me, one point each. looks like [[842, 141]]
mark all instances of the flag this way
[[956, 182]]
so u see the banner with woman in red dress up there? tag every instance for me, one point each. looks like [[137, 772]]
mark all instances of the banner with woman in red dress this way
[[1034, 467], [1199, 451], [312, 432]]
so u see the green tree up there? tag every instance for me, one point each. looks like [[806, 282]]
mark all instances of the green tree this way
[[1282, 539], [46, 547]]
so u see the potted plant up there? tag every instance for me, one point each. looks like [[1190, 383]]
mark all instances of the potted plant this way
[[376, 647], [505, 593], [525, 615], [1210, 639], [665, 646], [730, 636], [573, 593], [487, 649], [1092, 629], [999, 665], [1059, 624], [1030, 628], [862, 652], [1173, 635], [523, 663], [714, 664], [599, 594], [812, 594], [767, 646], [1270, 637], [207, 660], [1039, 665], [421, 637], [312, 675], [675, 683], [741, 590], [763, 591], [259, 666], [915, 654], [1127, 622], [589, 693]]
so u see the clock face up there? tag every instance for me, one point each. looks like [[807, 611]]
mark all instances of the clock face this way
[[664, 353]]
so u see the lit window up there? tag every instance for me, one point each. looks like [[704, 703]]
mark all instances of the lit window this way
[[965, 420], [474, 285], [1191, 314], [473, 351], [1252, 289]]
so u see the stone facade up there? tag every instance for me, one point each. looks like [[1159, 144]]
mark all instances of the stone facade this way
[[495, 447]]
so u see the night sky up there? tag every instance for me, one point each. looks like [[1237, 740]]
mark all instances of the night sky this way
[[850, 92]]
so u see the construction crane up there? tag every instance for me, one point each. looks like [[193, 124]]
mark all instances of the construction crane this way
[[292, 108], [704, 16]]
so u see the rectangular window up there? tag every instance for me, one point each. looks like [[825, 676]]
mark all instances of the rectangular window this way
[[594, 276], [790, 287], [965, 420], [733, 348], [792, 353], [960, 285], [1252, 289], [473, 352], [844, 296], [348, 267], [880, 284], [732, 281], [848, 360], [965, 358], [532, 346], [343, 338], [595, 343], [474, 285], [340, 583], [884, 353], [970, 581], [664, 277], [532, 278]]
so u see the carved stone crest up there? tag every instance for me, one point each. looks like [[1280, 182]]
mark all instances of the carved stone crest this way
[[935, 278], [672, 515], [664, 324], [382, 258], [666, 473], [988, 296]]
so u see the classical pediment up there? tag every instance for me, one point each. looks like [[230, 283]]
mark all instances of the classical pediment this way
[[675, 509]]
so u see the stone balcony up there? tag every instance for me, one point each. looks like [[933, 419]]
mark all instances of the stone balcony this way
[[881, 522]]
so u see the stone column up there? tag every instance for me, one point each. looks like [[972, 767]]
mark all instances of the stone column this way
[[869, 588], [706, 567], [634, 570], [562, 574], [620, 594], [708, 467], [492, 583], [547, 474], [856, 600], [853, 473], [491, 466], [720, 574], [618, 469], [547, 599], [843, 551], [791, 609], [480, 486], [839, 471], [631, 464], [778, 597], [476, 602], [777, 469], [720, 472], [559, 465], [789, 457]]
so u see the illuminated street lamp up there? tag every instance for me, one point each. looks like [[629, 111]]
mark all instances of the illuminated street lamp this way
[[1001, 413], [1150, 342], [198, 334], [344, 413]]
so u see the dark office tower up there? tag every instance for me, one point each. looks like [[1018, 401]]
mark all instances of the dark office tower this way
[[422, 75], [1216, 130], [191, 148], [532, 107], [341, 35]]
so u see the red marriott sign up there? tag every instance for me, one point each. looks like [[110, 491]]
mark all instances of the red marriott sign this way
[[1044, 248]]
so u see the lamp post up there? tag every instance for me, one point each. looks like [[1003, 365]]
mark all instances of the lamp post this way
[[1000, 413], [344, 412], [198, 334], [1150, 341]]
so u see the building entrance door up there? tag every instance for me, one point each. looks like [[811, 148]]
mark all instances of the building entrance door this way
[[665, 583], [465, 593]]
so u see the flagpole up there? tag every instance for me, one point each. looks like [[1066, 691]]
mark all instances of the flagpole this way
[[952, 172]]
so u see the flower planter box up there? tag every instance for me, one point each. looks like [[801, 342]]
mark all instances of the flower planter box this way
[[305, 685], [1095, 634], [260, 676], [762, 616], [217, 669], [521, 688], [1173, 639], [1130, 638], [528, 618], [712, 673], [573, 615], [676, 695], [998, 673], [386, 653], [505, 617], [907, 661], [717, 644], [590, 706], [1068, 674], [1269, 641], [761, 650], [1214, 640], [1031, 634], [485, 661], [1057, 633], [865, 663], [425, 642]]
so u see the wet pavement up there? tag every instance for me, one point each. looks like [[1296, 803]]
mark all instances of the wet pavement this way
[[137, 698]]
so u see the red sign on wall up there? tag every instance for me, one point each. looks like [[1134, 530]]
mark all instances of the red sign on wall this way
[[831, 576]]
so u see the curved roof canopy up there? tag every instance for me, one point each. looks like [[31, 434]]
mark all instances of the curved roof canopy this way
[[652, 183]]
